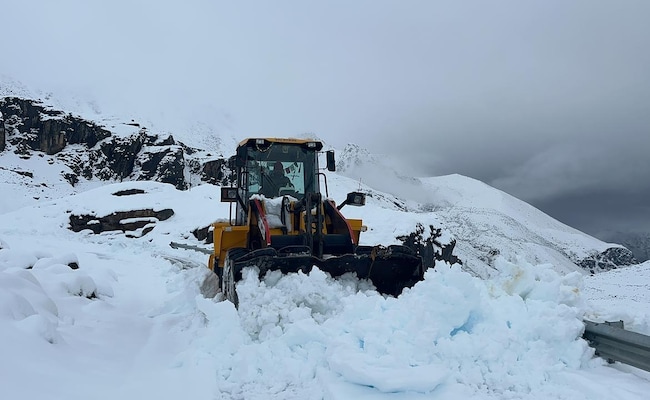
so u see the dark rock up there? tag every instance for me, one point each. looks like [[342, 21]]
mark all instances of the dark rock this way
[[203, 234], [217, 172], [25, 173], [164, 164], [41, 129], [73, 265], [429, 247], [609, 259], [135, 220], [120, 153], [167, 142], [129, 192], [164, 214], [73, 179]]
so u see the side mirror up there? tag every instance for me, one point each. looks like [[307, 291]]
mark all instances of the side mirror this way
[[232, 163], [240, 158], [228, 194], [356, 199], [331, 163]]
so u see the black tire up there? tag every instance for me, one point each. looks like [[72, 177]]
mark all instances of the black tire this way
[[236, 253], [251, 255], [231, 275]]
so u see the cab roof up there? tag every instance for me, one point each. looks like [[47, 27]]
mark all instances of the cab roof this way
[[312, 143]]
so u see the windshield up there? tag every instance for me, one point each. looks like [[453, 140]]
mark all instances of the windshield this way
[[279, 170]]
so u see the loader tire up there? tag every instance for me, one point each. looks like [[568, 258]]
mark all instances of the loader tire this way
[[231, 275]]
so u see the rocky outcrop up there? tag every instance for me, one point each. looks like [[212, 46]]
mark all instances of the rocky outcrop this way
[[609, 259], [217, 172], [164, 164], [140, 156], [32, 126], [118, 155], [138, 222]]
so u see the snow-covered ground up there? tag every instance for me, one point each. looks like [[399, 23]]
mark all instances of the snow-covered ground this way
[[131, 322]]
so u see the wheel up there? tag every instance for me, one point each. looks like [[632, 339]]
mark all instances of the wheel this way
[[228, 283], [230, 275]]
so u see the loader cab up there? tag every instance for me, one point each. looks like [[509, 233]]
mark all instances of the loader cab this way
[[276, 168]]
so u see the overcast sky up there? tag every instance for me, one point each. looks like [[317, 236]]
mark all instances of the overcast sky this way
[[548, 100]]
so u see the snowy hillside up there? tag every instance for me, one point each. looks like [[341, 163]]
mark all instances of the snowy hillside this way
[[488, 222]]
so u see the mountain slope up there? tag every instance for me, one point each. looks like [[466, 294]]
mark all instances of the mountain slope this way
[[488, 222], [485, 222]]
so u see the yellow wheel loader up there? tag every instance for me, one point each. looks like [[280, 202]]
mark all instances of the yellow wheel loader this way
[[280, 220]]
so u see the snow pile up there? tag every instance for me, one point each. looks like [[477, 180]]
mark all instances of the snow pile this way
[[32, 283], [451, 332]]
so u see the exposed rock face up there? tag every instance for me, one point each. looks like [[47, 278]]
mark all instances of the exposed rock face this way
[[609, 259], [217, 172], [31, 126], [163, 164], [118, 155], [124, 221]]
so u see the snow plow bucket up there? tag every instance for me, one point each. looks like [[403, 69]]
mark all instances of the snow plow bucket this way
[[390, 269]]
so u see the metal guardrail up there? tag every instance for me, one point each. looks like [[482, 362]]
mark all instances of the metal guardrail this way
[[613, 343]]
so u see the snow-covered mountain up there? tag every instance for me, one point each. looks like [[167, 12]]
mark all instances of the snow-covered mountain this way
[[484, 221], [488, 222]]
